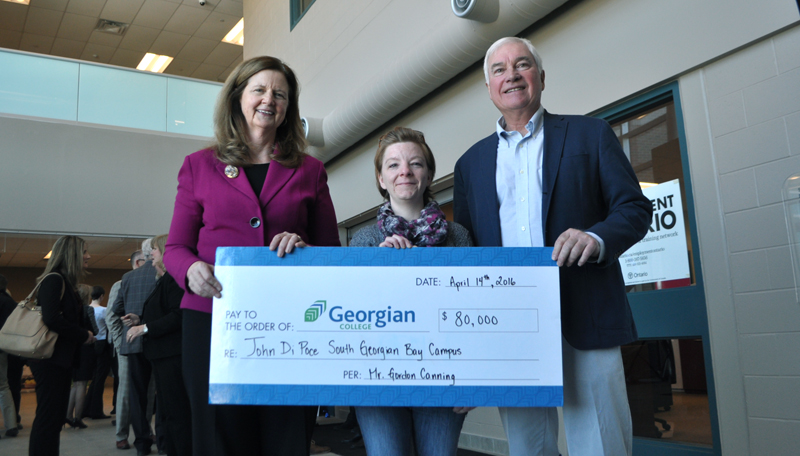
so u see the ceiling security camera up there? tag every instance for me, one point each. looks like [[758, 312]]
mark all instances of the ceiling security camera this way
[[202, 2]]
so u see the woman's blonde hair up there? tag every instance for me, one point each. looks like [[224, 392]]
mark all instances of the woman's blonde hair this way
[[160, 242], [404, 135], [230, 127], [66, 258], [85, 292]]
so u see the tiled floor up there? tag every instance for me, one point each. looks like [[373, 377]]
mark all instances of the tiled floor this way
[[689, 418], [98, 439]]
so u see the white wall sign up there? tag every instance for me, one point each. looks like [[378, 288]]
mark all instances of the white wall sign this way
[[662, 254]]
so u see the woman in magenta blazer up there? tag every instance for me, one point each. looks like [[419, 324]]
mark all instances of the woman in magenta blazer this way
[[254, 187]]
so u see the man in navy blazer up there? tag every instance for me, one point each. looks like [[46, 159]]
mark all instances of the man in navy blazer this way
[[563, 181]]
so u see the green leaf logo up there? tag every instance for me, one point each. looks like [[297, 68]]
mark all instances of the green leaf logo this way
[[316, 309]]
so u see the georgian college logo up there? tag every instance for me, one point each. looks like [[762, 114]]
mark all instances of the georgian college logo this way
[[316, 309]]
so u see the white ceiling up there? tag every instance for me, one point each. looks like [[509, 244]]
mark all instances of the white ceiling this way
[[28, 250], [182, 29]]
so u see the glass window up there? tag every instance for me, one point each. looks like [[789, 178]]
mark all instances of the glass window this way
[[667, 393], [791, 204], [650, 140], [298, 9]]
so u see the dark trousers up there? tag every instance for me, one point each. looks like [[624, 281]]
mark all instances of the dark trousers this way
[[15, 365], [140, 371], [115, 373], [236, 429], [196, 343], [52, 398], [161, 424], [266, 430], [173, 404], [94, 398]]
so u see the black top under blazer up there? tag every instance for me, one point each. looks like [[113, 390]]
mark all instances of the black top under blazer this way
[[64, 316], [162, 315]]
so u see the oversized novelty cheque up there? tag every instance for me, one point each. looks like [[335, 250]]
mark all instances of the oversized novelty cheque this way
[[379, 326]]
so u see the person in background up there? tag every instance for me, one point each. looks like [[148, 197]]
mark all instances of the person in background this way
[[63, 314], [159, 326], [544, 179], [7, 409], [404, 170], [83, 373], [135, 288], [15, 365], [255, 187], [102, 349], [120, 363]]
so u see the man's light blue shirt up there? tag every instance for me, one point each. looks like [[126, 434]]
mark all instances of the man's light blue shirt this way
[[519, 184]]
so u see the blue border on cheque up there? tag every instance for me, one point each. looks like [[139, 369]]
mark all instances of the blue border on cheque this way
[[386, 395]]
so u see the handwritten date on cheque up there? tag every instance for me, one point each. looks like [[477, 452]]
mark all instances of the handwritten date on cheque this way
[[483, 281]]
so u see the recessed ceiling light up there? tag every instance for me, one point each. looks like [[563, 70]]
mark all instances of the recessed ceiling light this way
[[236, 35], [23, 2], [154, 62], [47, 257]]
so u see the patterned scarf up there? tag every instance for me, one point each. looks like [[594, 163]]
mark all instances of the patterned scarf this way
[[427, 231]]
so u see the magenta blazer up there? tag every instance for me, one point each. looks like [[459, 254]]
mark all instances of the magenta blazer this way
[[213, 210]]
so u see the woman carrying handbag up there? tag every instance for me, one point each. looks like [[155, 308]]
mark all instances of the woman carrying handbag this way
[[63, 314]]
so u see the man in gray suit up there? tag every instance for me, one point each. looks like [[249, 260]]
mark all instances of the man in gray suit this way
[[136, 286], [115, 330]]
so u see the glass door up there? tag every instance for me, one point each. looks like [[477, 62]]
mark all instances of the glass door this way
[[668, 371]]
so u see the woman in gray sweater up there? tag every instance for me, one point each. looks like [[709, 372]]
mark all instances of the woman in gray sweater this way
[[404, 170]]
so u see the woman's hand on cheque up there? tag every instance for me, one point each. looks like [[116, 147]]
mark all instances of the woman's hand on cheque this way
[[396, 241], [285, 243]]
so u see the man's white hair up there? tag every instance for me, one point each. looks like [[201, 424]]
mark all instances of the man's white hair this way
[[511, 39], [147, 249]]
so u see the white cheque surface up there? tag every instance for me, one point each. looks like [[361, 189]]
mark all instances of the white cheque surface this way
[[387, 325]]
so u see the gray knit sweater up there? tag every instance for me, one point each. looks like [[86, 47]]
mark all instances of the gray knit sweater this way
[[370, 236]]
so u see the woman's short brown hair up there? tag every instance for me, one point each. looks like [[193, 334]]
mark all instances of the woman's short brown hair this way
[[404, 135], [230, 127]]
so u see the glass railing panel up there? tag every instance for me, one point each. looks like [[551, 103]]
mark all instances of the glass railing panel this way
[[38, 86], [122, 98], [190, 107]]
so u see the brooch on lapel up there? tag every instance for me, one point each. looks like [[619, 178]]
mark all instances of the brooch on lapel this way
[[231, 171]]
